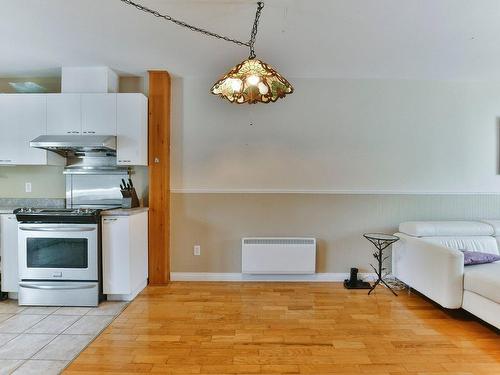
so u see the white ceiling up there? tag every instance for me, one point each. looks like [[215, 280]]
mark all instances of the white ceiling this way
[[415, 39]]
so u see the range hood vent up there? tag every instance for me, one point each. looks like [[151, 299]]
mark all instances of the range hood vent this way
[[68, 145]]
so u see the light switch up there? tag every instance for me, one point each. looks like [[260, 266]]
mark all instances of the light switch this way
[[27, 187]]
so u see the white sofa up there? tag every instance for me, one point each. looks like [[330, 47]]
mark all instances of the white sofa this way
[[428, 259]]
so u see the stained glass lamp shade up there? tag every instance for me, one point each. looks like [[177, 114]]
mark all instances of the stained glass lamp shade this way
[[252, 81]]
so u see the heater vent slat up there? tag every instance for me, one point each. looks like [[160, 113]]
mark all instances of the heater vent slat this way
[[279, 241], [278, 255]]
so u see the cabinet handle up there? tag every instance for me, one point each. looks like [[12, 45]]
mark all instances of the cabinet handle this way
[[124, 161], [76, 132], [110, 219], [5, 161], [90, 132], [57, 229]]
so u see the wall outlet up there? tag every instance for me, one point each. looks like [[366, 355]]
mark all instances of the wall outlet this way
[[27, 187], [196, 250]]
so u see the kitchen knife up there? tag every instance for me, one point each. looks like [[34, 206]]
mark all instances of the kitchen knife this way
[[130, 184], [124, 185]]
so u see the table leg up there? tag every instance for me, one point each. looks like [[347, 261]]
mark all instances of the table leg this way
[[380, 260], [374, 286], [393, 292]]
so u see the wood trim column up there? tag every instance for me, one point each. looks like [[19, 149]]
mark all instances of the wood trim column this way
[[159, 177]]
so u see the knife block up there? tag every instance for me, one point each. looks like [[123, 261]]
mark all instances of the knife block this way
[[129, 198]]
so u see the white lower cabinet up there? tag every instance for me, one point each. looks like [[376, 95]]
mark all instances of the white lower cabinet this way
[[8, 253], [124, 255]]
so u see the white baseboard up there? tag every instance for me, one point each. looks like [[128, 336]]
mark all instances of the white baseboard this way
[[128, 297], [13, 295], [317, 277]]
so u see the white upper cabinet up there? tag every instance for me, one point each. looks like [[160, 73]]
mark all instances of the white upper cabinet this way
[[64, 114], [22, 118], [99, 114], [76, 114], [132, 129]]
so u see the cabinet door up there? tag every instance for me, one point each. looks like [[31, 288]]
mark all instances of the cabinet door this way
[[8, 252], [99, 114], [6, 149], [115, 255], [132, 129], [138, 250], [22, 118], [64, 115]]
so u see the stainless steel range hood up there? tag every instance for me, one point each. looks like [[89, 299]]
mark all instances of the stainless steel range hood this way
[[67, 145]]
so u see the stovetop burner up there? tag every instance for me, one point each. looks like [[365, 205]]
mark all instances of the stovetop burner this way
[[57, 215], [58, 211]]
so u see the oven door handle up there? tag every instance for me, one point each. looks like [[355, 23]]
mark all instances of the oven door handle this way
[[55, 287], [58, 229]]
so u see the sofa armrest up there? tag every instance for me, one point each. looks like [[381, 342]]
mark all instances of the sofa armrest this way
[[435, 271]]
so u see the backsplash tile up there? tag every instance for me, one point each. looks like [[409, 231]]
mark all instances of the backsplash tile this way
[[32, 202]]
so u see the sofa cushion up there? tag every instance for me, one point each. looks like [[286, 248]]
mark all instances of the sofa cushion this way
[[496, 228], [484, 244], [478, 257], [483, 279], [495, 225], [446, 228]]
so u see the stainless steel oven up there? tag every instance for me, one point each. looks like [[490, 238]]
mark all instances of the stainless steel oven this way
[[59, 257], [58, 252]]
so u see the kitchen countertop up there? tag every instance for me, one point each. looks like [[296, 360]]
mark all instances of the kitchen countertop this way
[[8, 205], [113, 212], [124, 211]]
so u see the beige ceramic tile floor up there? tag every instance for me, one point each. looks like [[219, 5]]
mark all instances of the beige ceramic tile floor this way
[[43, 340]]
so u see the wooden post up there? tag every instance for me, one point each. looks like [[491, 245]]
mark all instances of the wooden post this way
[[159, 177]]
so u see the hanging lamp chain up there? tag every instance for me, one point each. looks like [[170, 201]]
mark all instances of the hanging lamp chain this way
[[166, 17], [260, 5]]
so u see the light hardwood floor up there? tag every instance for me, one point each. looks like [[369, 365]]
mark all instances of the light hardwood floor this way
[[288, 328]]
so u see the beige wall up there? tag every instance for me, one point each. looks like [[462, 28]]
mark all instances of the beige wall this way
[[333, 160], [49, 182], [339, 135], [217, 222], [133, 84], [140, 178], [46, 182], [51, 84]]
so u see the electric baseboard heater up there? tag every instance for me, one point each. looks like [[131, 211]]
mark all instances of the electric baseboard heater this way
[[278, 255]]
